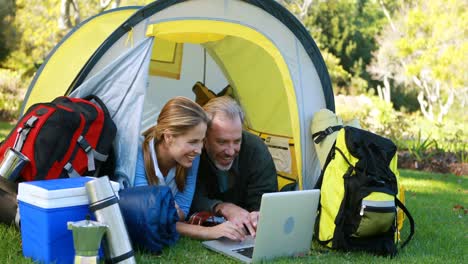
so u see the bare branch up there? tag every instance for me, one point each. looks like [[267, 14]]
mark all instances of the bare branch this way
[[302, 7], [65, 21], [115, 4], [387, 15]]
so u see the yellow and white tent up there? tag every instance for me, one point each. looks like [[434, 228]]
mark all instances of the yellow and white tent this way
[[136, 58]]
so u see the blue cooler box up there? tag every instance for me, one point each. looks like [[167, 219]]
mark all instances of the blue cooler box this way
[[45, 208]]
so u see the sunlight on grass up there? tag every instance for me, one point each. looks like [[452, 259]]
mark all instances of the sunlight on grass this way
[[429, 186], [437, 203]]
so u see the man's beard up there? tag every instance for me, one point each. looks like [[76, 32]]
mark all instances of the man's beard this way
[[219, 166], [223, 168]]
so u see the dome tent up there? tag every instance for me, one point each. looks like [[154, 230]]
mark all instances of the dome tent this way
[[136, 58]]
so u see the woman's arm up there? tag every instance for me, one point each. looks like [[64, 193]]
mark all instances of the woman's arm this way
[[140, 174], [226, 229]]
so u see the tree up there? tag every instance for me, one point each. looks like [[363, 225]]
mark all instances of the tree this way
[[7, 14], [347, 29], [301, 8], [66, 6], [37, 29], [427, 49]]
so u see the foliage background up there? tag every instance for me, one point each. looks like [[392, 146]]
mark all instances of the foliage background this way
[[392, 64], [402, 62]]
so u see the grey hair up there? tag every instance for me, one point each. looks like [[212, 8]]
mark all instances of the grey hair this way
[[226, 105]]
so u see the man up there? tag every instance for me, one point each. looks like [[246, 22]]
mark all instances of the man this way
[[235, 169]]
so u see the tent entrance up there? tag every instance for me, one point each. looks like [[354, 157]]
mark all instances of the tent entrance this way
[[248, 60], [220, 54]]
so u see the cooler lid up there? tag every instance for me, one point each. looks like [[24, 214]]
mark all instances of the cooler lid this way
[[57, 193]]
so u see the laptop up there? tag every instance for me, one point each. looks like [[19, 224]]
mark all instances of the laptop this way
[[285, 228]]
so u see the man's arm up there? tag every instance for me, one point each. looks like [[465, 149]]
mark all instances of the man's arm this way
[[184, 199], [261, 173], [201, 202], [257, 170]]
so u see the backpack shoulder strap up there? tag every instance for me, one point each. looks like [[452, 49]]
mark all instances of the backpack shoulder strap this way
[[321, 135], [410, 218]]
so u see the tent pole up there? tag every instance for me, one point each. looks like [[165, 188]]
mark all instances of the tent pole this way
[[204, 66]]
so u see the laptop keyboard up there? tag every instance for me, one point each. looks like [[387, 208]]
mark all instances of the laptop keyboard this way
[[248, 251]]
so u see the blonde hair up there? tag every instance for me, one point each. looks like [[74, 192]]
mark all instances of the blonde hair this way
[[177, 116], [226, 105]]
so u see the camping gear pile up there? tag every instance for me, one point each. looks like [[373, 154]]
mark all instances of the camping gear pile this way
[[47, 206], [67, 137], [137, 58]]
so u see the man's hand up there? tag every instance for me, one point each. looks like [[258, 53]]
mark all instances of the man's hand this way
[[238, 216]]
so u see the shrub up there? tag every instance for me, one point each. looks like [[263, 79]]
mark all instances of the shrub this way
[[410, 131], [374, 115], [10, 94], [405, 100], [422, 148]]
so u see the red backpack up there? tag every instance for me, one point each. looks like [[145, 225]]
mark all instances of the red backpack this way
[[68, 137]]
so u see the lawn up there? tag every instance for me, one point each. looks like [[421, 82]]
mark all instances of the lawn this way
[[436, 201]]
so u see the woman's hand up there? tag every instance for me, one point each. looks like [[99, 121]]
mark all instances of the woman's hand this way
[[254, 216], [226, 229], [238, 216]]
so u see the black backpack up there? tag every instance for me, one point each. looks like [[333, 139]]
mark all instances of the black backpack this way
[[359, 194]]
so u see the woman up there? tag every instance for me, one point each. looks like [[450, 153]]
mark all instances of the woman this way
[[170, 156]]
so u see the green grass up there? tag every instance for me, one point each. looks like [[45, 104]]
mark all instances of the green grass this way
[[441, 231]]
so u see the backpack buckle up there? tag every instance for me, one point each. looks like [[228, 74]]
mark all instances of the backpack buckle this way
[[84, 144]]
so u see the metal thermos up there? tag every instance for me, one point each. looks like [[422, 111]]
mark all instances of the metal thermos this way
[[87, 237], [12, 164], [104, 205]]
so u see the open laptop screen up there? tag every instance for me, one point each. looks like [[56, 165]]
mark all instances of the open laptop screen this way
[[285, 228]]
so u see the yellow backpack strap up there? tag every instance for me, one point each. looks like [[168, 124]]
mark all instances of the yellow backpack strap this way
[[410, 218]]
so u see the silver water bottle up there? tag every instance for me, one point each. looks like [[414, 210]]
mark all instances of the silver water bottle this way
[[104, 205]]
